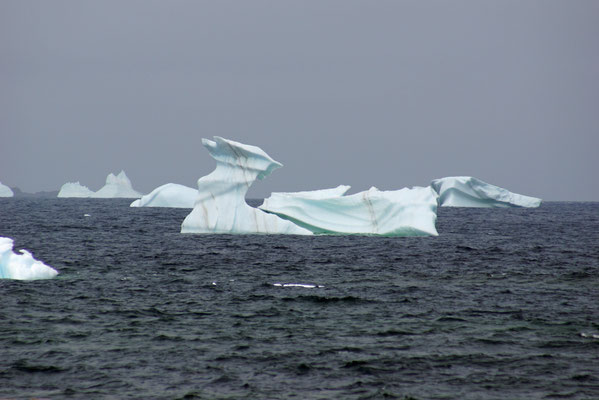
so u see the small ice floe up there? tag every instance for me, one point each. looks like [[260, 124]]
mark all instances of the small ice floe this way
[[590, 335], [304, 285], [21, 266]]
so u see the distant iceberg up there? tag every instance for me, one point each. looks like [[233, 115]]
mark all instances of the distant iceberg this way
[[5, 191], [466, 191], [118, 186], [21, 266], [74, 189], [220, 206], [405, 212], [168, 195]]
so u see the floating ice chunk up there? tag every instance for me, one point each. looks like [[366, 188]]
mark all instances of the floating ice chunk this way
[[168, 195], [303, 285], [5, 191], [405, 212], [220, 206], [117, 186], [21, 266], [466, 191], [74, 189]]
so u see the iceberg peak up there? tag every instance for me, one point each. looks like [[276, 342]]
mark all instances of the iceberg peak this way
[[117, 186], [220, 205]]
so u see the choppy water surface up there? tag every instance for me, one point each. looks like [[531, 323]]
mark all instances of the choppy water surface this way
[[504, 304]]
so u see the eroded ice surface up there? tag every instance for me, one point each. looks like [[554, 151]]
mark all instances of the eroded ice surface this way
[[466, 191], [117, 186], [21, 266], [405, 212], [74, 189], [5, 191], [220, 206], [168, 195]]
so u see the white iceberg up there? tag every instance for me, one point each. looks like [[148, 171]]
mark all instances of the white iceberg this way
[[5, 191], [220, 206], [466, 191], [74, 189], [118, 186], [405, 212], [21, 266], [168, 195]]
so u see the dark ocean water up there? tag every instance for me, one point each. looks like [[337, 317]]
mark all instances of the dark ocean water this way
[[504, 304]]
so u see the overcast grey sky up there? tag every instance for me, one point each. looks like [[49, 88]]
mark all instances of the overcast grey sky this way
[[365, 93]]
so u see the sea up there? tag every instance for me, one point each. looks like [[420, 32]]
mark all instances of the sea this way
[[503, 304]]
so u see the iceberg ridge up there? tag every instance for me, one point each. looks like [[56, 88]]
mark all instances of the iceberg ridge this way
[[74, 189], [467, 191], [404, 212]]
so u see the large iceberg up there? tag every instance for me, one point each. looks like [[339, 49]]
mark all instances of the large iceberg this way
[[5, 191], [405, 212], [169, 195], [74, 189], [21, 266], [220, 206], [117, 186], [466, 191]]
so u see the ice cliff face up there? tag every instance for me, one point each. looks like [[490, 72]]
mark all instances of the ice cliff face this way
[[21, 266], [5, 191], [74, 189], [466, 191], [169, 195], [220, 206], [117, 186], [405, 212]]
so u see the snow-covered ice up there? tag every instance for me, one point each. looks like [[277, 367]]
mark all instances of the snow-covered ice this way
[[74, 189], [404, 212], [466, 191], [220, 206], [5, 191], [21, 266], [168, 195], [117, 186]]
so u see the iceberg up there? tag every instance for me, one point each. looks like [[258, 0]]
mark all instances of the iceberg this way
[[21, 266], [118, 186], [466, 191], [5, 191], [74, 189], [404, 212], [168, 195], [220, 205]]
